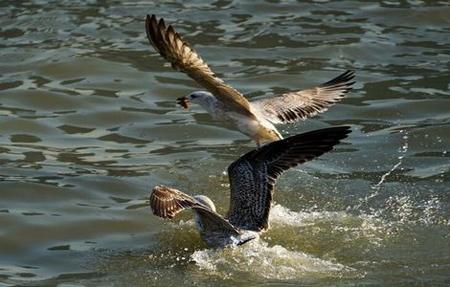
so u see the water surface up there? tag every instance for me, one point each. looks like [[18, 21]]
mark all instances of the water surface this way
[[89, 124]]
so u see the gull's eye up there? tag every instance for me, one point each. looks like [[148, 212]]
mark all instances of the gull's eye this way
[[194, 96]]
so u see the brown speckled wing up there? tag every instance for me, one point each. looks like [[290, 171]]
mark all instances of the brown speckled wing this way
[[170, 45], [253, 176], [167, 202]]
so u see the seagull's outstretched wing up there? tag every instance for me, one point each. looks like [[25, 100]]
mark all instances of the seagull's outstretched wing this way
[[183, 57], [167, 202], [253, 176], [291, 107]]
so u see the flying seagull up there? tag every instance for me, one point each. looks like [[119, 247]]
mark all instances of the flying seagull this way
[[255, 119], [252, 180]]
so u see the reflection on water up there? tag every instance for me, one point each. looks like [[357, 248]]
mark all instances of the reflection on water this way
[[89, 123]]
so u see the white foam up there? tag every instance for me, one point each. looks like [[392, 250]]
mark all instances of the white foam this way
[[258, 259], [281, 215], [364, 226]]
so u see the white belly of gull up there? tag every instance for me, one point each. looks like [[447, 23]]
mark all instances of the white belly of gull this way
[[246, 125]]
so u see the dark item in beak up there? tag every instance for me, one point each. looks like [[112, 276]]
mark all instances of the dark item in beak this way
[[184, 102]]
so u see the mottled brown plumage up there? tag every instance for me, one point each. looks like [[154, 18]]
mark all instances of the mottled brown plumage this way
[[167, 202], [183, 57], [252, 179]]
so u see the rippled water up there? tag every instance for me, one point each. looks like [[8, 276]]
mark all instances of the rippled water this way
[[89, 123]]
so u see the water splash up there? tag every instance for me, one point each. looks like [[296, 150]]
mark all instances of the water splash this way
[[265, 259], [402, 150], [377, 187], [367, 229], [259, 260], [410, 210], [280, 215]]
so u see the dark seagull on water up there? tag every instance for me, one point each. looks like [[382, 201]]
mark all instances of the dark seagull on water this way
[[252, 179], [256, 118]]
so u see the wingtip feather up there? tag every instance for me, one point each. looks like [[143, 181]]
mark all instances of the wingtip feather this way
[[343, 78]]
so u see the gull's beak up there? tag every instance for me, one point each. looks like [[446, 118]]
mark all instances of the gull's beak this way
[[184, 102]]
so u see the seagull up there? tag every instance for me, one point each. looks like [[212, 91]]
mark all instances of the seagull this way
[[255, 118], [252, 179]]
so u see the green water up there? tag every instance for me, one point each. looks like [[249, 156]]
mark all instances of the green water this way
[[89, 124]]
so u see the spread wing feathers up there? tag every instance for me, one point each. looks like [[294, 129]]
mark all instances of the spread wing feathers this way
[[167, 202], [291, 107], [253, 176], [183, 57]]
